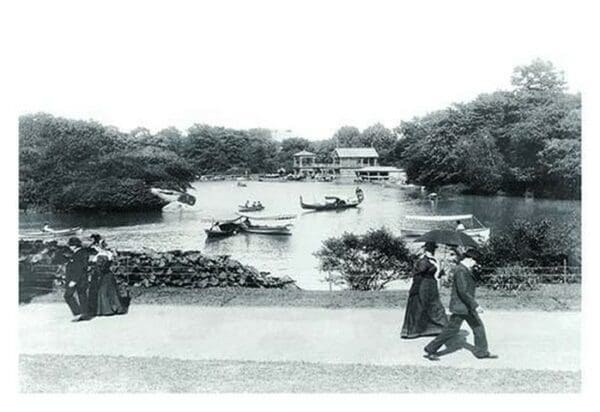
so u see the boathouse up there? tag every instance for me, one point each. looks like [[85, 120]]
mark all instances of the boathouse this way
[[344, 162], [304, 163]]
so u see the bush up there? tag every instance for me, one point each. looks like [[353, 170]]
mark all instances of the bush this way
[[526, 243], [511, 278], [513, 260], [365, 262]]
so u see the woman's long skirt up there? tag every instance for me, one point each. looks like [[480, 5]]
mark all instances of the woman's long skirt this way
[[110, 302], [425, 315]]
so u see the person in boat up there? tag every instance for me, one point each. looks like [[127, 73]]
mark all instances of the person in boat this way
[[247, 204], [463, 307], [106, 298], [258, 204], [425, 315], [76, 278], [459, 226]]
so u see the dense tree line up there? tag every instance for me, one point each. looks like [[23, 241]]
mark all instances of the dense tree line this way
[[82, 165], [526, 139]]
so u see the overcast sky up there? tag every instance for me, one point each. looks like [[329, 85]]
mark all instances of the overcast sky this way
[[306, 66]]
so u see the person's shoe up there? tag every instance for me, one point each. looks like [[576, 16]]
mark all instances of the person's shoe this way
[[83, 318], [488, 356], [431, 356], [76, 319]]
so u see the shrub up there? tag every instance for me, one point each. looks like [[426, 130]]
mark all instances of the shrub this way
[[365, 262], [511, 278]]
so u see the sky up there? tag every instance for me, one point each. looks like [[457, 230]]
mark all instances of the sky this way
[[307, 66]]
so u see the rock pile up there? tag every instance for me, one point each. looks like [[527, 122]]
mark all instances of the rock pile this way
[[187, 269]]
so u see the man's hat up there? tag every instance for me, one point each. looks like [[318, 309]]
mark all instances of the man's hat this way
[[473, 254], [430, 245], [96, 237], [74, 241]]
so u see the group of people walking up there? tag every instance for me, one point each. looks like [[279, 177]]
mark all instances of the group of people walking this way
[[88, 276], [425, 315]]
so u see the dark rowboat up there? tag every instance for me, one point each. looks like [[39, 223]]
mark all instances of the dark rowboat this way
[[224, 229], [334, 202]]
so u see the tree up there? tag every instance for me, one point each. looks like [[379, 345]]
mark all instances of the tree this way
[[365, 262], [289, 147], [82, 165], [347, 136], [499, 141], [538, 76], [560, 163], [483, 166], [381, 138]]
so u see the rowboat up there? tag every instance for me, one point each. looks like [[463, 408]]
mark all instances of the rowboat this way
[[248, 226], [480, 233], [266, 229], [223, 229], [334, 202], [48, 233], [255, 208], [269, 217]]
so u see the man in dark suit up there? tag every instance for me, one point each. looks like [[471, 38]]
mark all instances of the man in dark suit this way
[[77, 281], [463, 307]]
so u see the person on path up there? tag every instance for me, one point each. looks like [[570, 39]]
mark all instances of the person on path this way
[[425, 314], [77, 281], [463, 307], [107, 299], [459, 226], [94, 277]]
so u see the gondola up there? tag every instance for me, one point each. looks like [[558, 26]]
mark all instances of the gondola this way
[[334, 202]]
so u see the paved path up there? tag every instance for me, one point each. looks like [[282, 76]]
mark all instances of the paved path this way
[[524, 340]]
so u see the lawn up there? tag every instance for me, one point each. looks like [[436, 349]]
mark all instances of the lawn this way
[[547, 298], [102, 374]]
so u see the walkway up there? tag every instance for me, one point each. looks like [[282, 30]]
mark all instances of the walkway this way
[[523, 340]]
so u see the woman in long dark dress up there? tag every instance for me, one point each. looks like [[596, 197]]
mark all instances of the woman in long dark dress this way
[[109, 300], [425, 315]]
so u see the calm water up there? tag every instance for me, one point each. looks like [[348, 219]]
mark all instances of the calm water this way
[[291, 255]]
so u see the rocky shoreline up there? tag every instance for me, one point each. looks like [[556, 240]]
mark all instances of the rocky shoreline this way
[[41, 269]]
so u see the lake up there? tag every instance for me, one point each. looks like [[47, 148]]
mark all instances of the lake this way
[[292, 255]]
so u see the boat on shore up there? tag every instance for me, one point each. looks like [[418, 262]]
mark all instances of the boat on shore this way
[[334, 202], [49, 233], [476, 229]]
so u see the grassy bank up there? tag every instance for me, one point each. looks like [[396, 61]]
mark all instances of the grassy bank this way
[[547, 298], [84, 374]]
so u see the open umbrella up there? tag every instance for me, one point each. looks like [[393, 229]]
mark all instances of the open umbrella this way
[[448, 237]]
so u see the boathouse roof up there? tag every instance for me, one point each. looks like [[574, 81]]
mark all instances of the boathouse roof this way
[[304, 153], [356, 152]]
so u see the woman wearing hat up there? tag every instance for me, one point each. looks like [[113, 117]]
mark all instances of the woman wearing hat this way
[[425, 315], [106, 296]]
